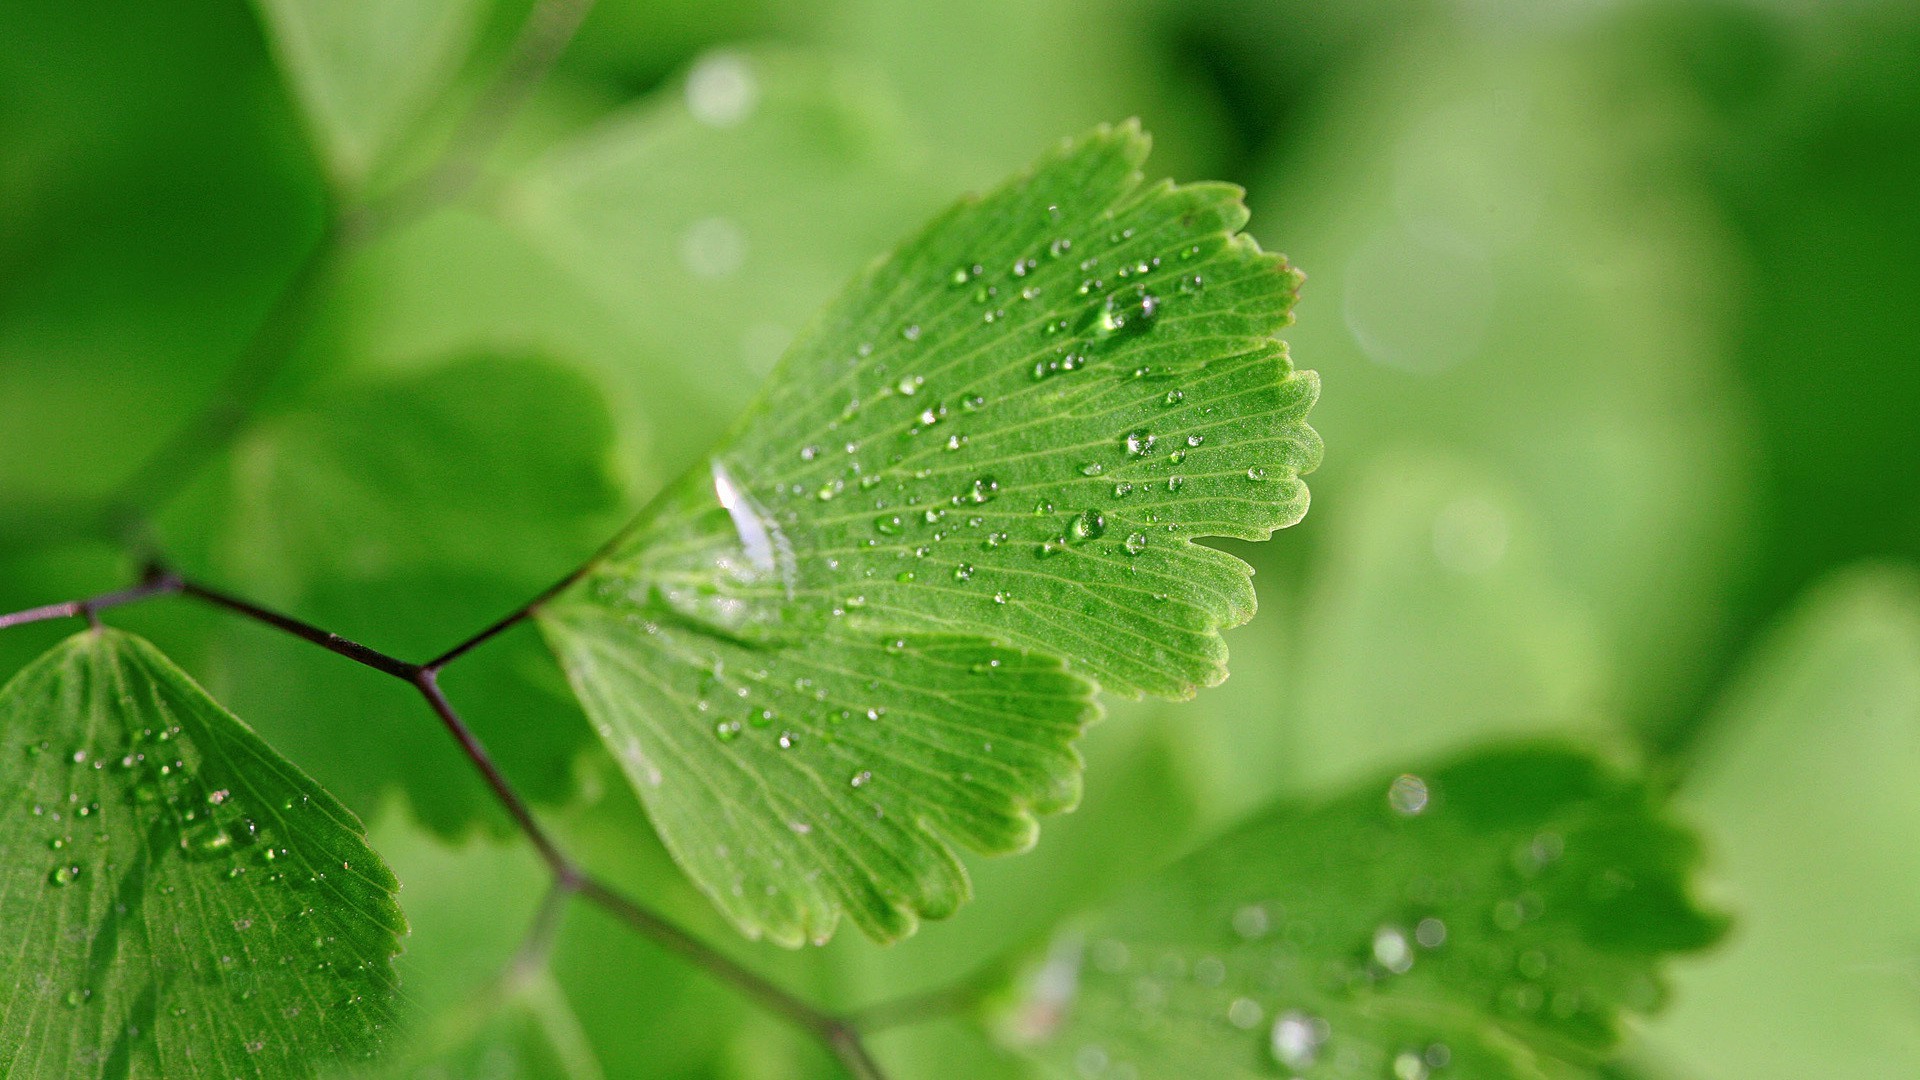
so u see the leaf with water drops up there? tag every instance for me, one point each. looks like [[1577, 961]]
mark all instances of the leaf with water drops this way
[[177, 899], [969, 493], [1493, 918]]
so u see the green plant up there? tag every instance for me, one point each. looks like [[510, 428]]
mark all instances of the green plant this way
[[855, 647]]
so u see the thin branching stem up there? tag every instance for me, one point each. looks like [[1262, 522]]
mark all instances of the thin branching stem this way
[[841, 1035]]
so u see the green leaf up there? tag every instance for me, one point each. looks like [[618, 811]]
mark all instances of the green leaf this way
[[365, 70], [972, 489], [177, 898], [1492, 918], [1805, 794], [407, 511]]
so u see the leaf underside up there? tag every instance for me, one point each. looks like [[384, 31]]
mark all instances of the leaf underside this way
[[969, 495], [1493, 918], [178, 899]]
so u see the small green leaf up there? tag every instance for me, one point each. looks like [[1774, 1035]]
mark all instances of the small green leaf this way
[[1492, 918], [178, 899], [996, 449], [363, 70]]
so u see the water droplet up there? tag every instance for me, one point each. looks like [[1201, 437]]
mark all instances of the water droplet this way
[[1175, 483], [1250, 922], [1092, 468], [888, 524], [1140, 443], [1256, 473], [63, 875], [1391, 950], [1175, 397], [722, 90], [788, 740], [1296, 1039], [1196, 440], [1060, 246], [1430, 932], [1058, 365], [1090, 525], [911, 332], [1407, 795], [862, 778], [973, 403], [1002, 597], [1136, 543], [1408, 1065], [1051, 547], [963, 572], [962, 275], [727, 730], [1129, 310], [1122, 489], [77, 998], [1023, 267]]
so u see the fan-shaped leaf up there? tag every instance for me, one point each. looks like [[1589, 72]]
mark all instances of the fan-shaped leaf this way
[[973, 488]]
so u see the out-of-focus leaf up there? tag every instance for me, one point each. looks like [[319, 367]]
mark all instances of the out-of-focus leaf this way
[[992, 81], [522, 1028], [1496, 276], [179, 899], [715, 219], [1434, 621], [407, 512], [149, 219], [1805, 792], [1012, 430], [1494, 917], [364, 70]]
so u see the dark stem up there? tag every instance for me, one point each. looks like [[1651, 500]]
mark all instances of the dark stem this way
[[154, 584], [840, 1035], [514, 618], [327, 640], [564, 870]]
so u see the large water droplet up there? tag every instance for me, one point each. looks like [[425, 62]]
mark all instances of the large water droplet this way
[[1407, 795], [1128, 310], [1296, 1039], [1391, 950], [1090, 525]]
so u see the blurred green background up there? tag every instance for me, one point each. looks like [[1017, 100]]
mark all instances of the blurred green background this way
[[1614, 304]]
